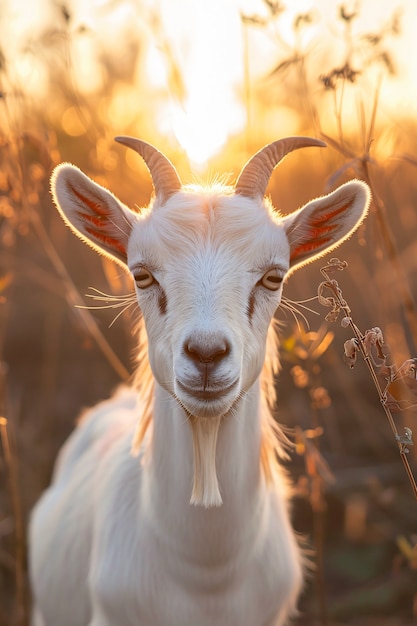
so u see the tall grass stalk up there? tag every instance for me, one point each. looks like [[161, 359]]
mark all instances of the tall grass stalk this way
[[11, 461], [363, 343], [71, 293], [359, 163], [307, 347]]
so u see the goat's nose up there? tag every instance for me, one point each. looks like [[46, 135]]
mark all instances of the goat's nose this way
[[206, 353]]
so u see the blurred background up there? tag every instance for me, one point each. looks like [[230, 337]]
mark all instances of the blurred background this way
[[209, 83]]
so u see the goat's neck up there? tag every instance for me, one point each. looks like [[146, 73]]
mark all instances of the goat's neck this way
[[168, 475]]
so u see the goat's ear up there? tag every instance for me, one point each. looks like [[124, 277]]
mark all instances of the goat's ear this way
[[92, 212], [322, 224]]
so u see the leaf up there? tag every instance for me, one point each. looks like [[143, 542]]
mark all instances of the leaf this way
[[253, 20], [349, 165], [408, 550], [409, 371], [320, 346], [300, 376], [275, 6], [408, 158], [388, 372], [5, 281], [350, 351], [347, 153], [373, 337], [284, 64]]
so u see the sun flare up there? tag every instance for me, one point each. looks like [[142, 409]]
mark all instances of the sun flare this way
[[208, 48], [201, 130], [204, 70]]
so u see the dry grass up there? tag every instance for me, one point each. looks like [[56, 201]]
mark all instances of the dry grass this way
[[376, 354], [354, 501]]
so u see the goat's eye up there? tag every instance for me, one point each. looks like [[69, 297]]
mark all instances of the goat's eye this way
[[272, 279], [143, 277]]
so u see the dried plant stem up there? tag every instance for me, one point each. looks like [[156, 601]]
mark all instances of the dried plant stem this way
[[71, 293], [319, 534], [401, 282], [19, 527], [247, 84], [319, 529], [74, 299], [339, 304]]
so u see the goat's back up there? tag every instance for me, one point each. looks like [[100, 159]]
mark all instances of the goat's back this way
[[61, 527]]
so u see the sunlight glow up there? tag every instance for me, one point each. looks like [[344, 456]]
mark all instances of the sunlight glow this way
[[193, 72], [31, 72], [203, 128], [88, 76], [208, 46], [72, 123], [156, 68]]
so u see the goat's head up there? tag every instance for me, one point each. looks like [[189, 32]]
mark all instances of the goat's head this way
[[208, 264]]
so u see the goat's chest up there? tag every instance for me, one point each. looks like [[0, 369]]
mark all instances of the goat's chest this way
[[139, 582], [189, 566]]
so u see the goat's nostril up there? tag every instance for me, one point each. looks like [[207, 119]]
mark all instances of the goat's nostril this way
[[207, 352]]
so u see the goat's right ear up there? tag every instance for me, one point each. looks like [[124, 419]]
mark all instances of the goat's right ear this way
[[92, 212]]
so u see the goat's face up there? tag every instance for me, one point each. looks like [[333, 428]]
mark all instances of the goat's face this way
[[208, 268], [208, 271]]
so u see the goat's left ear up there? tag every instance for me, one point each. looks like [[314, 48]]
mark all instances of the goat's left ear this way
[[92, 212], [324, 223]]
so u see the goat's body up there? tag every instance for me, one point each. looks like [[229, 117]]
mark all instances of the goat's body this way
[[62, 521], [195, 530], [125, 553]]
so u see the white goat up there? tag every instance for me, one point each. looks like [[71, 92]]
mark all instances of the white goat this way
[[194, 529]]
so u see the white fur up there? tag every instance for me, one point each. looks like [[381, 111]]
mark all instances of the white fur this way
[[115, 540]]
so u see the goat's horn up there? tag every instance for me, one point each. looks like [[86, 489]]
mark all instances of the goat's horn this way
[[255, 175], [164, 175]]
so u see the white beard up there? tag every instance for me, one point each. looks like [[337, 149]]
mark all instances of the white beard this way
[[206, 490]]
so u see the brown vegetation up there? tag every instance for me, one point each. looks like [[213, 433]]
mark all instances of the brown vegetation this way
[[354, 500]]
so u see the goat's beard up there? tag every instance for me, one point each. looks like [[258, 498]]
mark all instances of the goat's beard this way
[[206, 490]]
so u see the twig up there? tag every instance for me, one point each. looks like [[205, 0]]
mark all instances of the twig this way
[[74, 298], [363, 343], [12, 469]]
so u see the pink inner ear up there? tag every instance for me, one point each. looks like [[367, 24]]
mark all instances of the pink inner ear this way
[[327, 217], [97, 220], [309, 246], [318, 227], [100, 218], [109, 242], [96, 207]]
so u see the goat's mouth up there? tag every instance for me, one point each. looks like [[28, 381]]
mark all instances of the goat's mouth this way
[[206, 402]]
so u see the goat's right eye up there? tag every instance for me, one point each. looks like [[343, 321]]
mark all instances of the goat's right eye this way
[[143, 278]]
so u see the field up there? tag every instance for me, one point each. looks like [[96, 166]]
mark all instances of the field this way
[[354, 500]]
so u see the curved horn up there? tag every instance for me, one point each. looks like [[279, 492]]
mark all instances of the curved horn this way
[[255, 175], [164, 175]]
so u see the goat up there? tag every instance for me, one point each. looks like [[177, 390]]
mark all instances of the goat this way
[[193, 528]]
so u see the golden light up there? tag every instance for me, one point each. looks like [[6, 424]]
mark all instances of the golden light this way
[[202, 128], [217, 60], [212, 48], [72, 123], [208, 45], [156, 69], [88, 75], [31, 72]]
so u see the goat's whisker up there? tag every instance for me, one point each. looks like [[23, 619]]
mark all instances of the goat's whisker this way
[[292, 307], [107, 297], [122, 302], [121, 312]]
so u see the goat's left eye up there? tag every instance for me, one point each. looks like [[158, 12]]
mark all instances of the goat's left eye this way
[[272, 279], [143, 278]]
